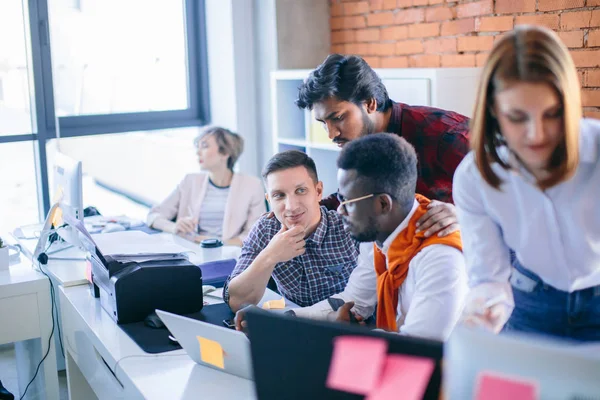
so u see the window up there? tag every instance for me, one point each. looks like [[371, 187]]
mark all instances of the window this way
[[126, 69], [15, 90], [19, 195], [115, 56], [125, 65], [138, 176]]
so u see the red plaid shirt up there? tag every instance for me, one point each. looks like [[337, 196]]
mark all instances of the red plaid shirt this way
[[441, 140]]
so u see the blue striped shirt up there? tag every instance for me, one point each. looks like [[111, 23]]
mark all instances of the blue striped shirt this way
[[322, 271]]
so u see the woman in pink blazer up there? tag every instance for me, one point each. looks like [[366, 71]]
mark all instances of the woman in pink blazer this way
[[216, 202]]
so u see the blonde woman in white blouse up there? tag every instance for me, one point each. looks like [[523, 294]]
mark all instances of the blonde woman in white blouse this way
[[527, 195], [216, 202]]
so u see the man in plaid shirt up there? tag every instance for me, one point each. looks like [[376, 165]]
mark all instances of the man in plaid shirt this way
[[350, 100], [305, 248]]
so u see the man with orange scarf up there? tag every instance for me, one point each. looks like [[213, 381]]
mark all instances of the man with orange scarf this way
[[421, 281]]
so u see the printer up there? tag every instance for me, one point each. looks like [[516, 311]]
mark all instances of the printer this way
[[131, 287]]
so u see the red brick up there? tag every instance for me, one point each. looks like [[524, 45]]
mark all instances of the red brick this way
[[424, 61], [483, 7], [374, 62], [439, 13], [592, 78], [573, 20], [382, 49], [404, 3], [389, 4], [362, 7], [394, 33], [346, 36], [458, 60], [480, 59], [494, 24], [420, 2], [424, 30], [409, 47], [409, 16], [547, 20], [338, 23], [435, 2], [441, 45], [357, 48], [394, 62], [591, 3], [581, 77], [572, 39], [338, 49], [558, 5], [451, 28], [475, 43], [590, 98], [336, 9], [592, 114], [382, 18], [375, 5], [514, 6], [595, 18], [593, 39], [367, 35], [585, 58]]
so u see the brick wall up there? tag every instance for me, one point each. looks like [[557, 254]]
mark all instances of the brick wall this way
[[443, 33]]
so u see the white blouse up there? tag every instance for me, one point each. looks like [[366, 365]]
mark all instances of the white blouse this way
[[555, 233]]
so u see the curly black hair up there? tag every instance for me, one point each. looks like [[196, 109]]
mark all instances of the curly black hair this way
[[385, 163], [348, 78]]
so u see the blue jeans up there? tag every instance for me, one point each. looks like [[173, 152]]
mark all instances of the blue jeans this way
[[543, 309]]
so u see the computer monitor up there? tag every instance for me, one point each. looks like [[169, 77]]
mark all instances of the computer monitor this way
[[67, 200], [556, 369], [291, 356], [67, 185]]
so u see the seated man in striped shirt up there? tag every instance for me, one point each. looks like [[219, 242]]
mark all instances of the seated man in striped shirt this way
[[305, 248]]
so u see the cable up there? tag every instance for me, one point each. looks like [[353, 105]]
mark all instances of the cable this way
[[37, 370]]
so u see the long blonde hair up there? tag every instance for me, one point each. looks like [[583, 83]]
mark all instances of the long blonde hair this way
[[527, 54]]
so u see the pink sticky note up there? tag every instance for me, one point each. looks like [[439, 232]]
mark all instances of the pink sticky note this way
[[403, 377], [492, 386], [356, 363]]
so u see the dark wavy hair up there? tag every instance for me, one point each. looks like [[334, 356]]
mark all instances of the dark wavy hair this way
[[385, 163], [349, 78]]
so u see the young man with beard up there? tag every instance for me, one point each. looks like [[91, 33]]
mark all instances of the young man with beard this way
[[348, 97], [421, 281]]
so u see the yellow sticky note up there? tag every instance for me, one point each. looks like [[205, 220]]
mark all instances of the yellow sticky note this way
[[274, 304], [211, 352]]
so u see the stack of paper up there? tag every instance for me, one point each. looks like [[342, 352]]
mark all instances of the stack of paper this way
[[137, 244]]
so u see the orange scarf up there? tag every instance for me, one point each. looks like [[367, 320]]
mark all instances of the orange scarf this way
[[404, 247]]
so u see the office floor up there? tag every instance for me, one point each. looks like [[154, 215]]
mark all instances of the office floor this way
[[8, 373]]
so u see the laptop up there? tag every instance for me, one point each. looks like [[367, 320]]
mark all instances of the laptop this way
[[291, 356], [235, 345], [553, 369]]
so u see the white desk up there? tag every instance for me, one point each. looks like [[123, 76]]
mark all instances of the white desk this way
[[103, 362], [26, 315], [94, 343]]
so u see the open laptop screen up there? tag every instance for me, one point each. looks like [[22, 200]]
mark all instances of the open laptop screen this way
[[291, 356]]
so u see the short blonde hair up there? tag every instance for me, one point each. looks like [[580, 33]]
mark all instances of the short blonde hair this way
[[229, 143], [527, 54]]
